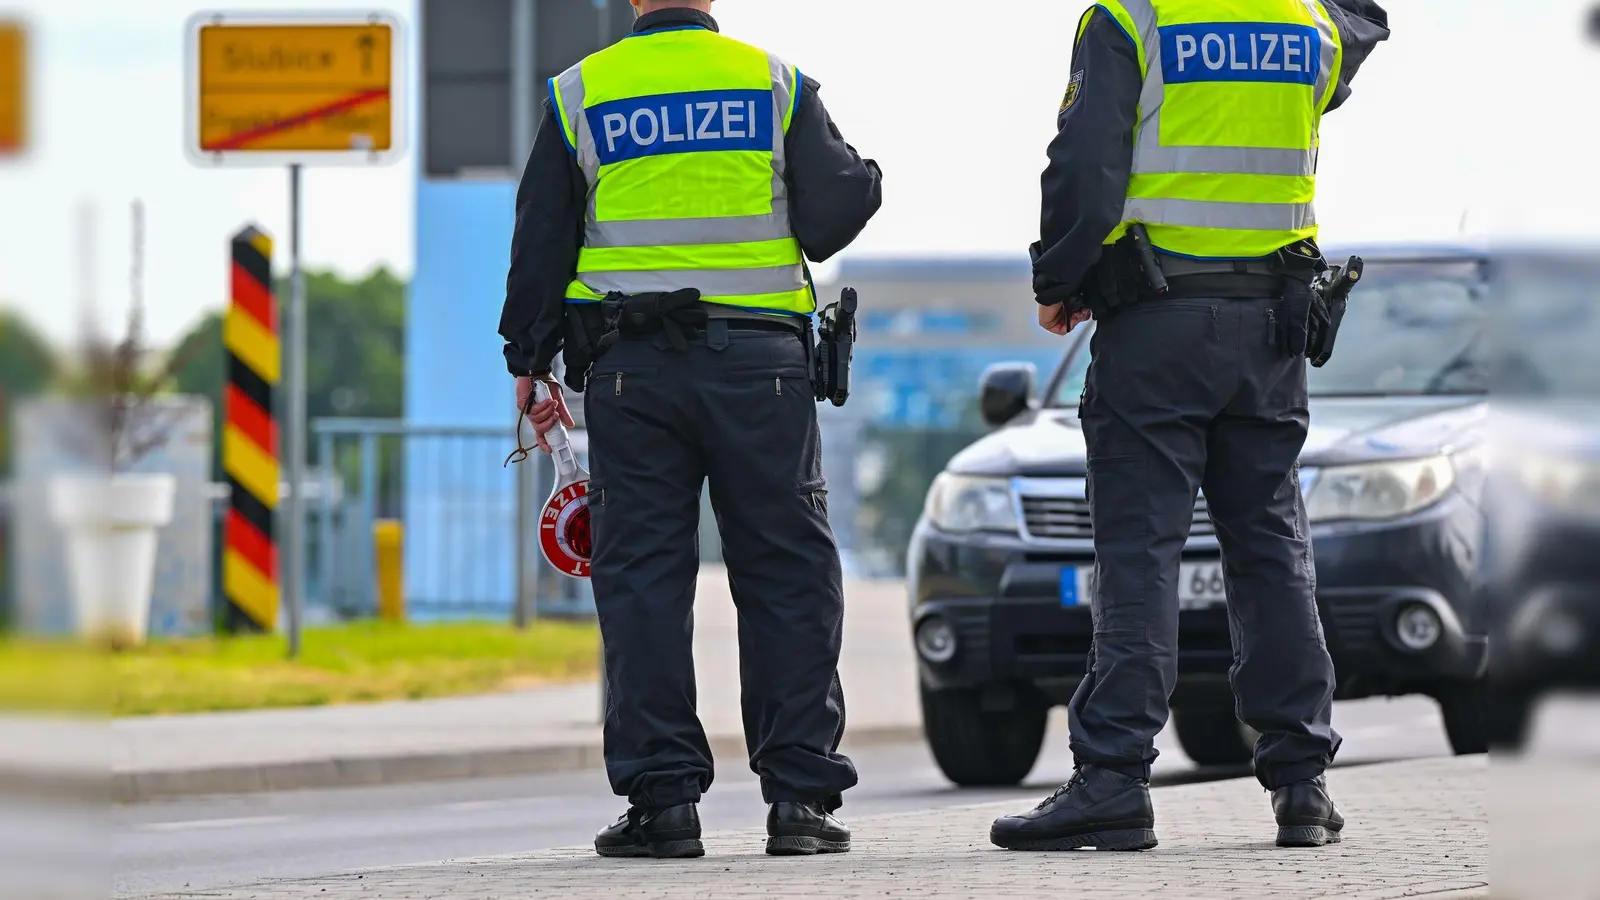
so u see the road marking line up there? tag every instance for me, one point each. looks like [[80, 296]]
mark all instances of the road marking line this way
[[1377, 731], [196, 824], [469, 805]]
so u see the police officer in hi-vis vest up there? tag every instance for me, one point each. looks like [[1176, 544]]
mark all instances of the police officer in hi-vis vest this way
[[1190, 128], [677, 186]]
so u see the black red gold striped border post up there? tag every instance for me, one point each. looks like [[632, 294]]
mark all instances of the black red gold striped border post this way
[[250, 436]]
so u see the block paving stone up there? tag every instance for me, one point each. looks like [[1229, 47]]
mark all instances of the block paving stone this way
[[1416, 828]]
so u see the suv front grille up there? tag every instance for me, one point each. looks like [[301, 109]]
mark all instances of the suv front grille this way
[[1067, 518]]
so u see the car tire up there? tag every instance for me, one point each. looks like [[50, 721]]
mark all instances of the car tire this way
[[978, 748], [1478, 719], [1510, 718], [1214, 736], [1466, 713]]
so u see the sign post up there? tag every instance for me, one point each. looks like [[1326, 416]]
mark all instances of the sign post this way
[[294, 90], [13, 88]]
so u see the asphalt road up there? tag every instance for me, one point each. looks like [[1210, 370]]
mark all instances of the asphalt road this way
[[212, 842]]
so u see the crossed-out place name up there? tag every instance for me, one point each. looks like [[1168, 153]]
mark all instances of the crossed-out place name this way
[[704, 121]]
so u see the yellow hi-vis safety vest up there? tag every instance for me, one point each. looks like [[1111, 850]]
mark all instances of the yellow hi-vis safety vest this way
[[1225, 150], [680, 135]]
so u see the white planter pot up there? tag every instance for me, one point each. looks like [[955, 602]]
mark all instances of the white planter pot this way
[[111, 524]]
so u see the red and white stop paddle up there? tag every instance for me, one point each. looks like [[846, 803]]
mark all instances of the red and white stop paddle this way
[[564, 522]]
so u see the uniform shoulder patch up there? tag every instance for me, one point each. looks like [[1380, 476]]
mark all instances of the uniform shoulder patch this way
[[1074, 88]]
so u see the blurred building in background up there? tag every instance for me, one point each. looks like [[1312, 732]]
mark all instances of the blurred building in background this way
[[929, 326]]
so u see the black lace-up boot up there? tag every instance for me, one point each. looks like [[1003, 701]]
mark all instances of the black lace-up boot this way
[[803, 829], [1306, 814], [1095, 808], [671, 833]]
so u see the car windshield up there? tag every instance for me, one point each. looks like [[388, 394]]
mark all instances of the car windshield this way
[[1410, 328], [1547, 325]]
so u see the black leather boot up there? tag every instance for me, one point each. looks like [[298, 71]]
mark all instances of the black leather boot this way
[[1306, 814], [1095, 808], [671, 833], [803, 829]]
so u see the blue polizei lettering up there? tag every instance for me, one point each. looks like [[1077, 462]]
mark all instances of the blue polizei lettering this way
[[1240, 51], [696, 122]]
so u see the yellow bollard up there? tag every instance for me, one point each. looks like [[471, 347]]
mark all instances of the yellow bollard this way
[[388, 537]]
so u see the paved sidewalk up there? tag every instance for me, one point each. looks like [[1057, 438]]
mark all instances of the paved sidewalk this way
[[1416, 828], [551, 729]]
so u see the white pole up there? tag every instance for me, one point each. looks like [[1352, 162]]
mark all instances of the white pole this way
[[295, 426], [524, 52]]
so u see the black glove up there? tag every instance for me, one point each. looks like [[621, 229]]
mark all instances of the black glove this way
[[672, 313], [1294, 316]]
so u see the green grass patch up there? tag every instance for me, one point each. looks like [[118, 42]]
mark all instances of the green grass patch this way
[[361, 662]]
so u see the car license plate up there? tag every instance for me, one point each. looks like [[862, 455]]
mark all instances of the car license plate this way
[[1200, 585], [1077, 585]]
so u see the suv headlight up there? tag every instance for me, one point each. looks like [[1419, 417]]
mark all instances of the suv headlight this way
[[1384, 490], [971, 503], [1565, 484]]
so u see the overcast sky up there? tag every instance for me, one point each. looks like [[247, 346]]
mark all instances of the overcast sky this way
[[1467, 115]]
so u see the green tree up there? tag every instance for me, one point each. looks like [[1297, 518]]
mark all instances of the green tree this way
[[27, 366], [355, 337]]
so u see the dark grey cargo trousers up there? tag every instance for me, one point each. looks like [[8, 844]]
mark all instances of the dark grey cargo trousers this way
[[736, 408], [1184, 395]]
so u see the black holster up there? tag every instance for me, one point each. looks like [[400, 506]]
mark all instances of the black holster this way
[[1298, 266], [1326, 314], [1333, 295], [836, 339]]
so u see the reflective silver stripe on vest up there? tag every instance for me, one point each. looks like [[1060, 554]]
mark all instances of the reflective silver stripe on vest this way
[[1212, 214], [688, 232], [1152, 158], [570, 84], [1325, 74], [1153, 93], [710, 282], [1160, 160], [784, 90]]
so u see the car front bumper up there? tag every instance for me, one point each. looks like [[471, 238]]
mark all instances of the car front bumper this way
[[1000, 595]]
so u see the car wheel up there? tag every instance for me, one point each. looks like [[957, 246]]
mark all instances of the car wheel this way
[[975, 748], [1465, 709], [1508, 714], [1479, 719], [1214, 736]]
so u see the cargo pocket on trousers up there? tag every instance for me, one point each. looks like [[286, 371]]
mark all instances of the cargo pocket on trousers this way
[[815, 491], [1120, 518]]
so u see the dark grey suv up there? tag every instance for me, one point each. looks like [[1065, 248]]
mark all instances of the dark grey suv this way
[[1000, 565]]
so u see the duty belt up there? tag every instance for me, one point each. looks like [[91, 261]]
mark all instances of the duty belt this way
[[1174, 266], [1240, 279], [681, 314]]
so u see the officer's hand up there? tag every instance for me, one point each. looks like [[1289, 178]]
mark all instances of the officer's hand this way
[[544, 414], [1056, 320]]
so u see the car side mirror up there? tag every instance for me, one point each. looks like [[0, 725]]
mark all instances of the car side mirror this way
[[1004, 391]]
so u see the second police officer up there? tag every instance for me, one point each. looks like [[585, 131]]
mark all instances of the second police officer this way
[[677, 185], [1194, 125]]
